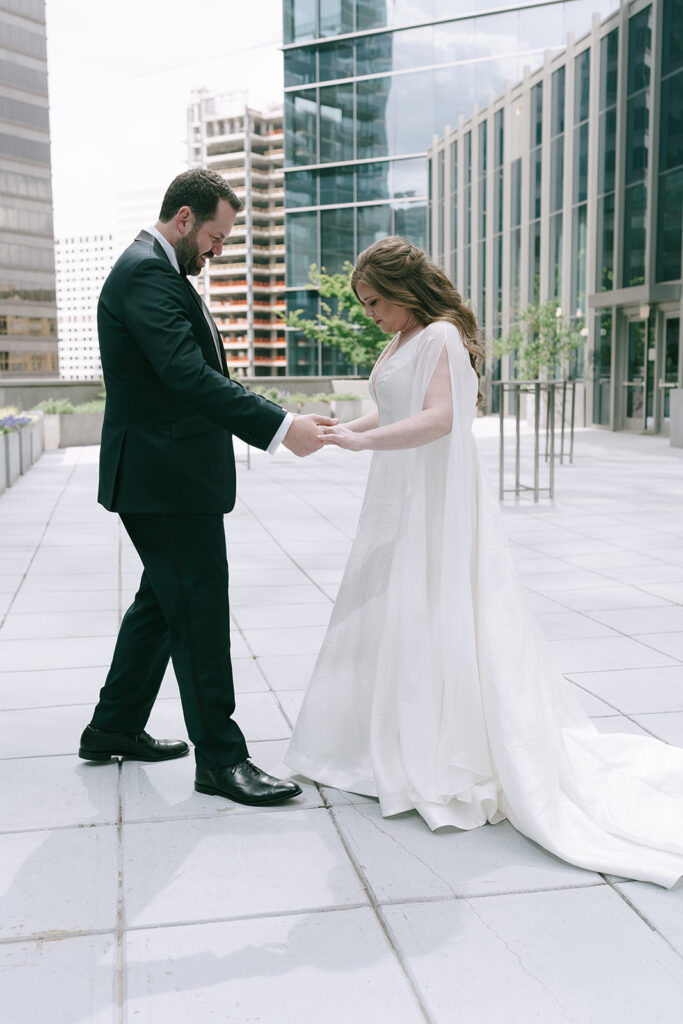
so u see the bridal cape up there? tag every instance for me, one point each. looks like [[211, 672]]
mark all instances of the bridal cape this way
[[435, 689]]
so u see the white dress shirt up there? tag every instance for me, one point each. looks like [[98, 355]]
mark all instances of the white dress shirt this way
[[173, 260]]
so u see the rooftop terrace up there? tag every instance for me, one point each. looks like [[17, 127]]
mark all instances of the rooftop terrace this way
[[126, 896]]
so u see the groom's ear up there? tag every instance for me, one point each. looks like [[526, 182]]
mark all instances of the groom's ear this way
[[184, 220]]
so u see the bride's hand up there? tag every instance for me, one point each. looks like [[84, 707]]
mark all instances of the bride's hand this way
[[342, 437]]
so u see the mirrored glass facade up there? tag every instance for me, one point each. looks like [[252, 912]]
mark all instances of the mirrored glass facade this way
[[590, 211], [368, 84], [28, 314]]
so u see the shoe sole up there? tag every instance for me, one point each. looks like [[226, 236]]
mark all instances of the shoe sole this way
[[102, 755], [212, 791]]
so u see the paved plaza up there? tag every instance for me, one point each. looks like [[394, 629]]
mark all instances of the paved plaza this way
[[127, 897]]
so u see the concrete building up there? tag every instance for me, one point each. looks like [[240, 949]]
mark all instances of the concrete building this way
[[28, 316], [367, 85], [82, 264], [134, 211], [245, 287], [569, 186]]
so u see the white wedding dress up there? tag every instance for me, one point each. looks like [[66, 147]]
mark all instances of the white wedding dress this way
[[435, 689]]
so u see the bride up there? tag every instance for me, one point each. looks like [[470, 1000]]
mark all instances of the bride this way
[[434, 688]]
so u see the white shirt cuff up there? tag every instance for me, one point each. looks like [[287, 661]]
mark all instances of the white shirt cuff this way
[[282, 430]]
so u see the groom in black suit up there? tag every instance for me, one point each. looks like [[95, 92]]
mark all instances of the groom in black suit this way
[[167, 467]]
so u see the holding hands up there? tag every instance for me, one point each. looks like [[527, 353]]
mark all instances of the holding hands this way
[[342, 437], [303, 436]]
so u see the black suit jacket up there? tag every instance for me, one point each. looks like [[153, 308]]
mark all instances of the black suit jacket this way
[[171, 410]]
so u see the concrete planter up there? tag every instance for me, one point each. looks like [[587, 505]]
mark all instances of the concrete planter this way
[[320, 408], [3, 463], [37, 439], [25, 448], [51, 431], [347, 409], [80, 428], [676, 422], [13, 456]]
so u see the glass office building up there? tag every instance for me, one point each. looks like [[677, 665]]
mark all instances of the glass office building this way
[[368, 84], [28, 314], [581, 166]]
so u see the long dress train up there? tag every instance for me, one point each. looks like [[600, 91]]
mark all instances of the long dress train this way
[[434, 688]]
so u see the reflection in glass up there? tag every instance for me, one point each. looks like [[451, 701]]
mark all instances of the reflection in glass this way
[[302, 246], [301, 188], [336, 123], [300, 137], [556, 238], [556, 173], [637, 137], [374, 54], [372, 181], [300, 66], [336, 239], [669, 223], [672, 37], [671, 123], [371, 117], [335, 61], [582, 69], [535, 183], [579, 262], [535, 261], [373, 223], [336, 17], [672, 350], [608, 150], [410, 221], [581, 162], [557, 112], [602, 368], [299, 20], [537, 114], [605, 251], [515, 267], [609, 68], [635, 368], [635, 209], [516, 193], [336, 185], [639, 50]]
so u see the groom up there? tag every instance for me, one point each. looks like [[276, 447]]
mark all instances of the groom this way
[[167, 467]]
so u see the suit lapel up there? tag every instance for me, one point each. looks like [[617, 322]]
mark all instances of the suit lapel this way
[[215, 336]]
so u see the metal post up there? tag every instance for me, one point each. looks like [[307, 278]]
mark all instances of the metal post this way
[[564, 407], [501, 449], [249, 229], [571, 435], [551, 406], [518, 395], [537, 425]]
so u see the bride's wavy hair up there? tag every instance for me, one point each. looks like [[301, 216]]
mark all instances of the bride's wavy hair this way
[[401, 273]]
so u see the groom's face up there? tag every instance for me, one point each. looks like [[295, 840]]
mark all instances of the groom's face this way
[[196, 245]]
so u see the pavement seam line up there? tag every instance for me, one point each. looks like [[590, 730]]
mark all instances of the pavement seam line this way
[[641, 915]]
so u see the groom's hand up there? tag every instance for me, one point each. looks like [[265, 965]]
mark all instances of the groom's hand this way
[[302, 437]]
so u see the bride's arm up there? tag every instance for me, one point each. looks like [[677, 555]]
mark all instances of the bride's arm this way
[[434, 421], [364, 423]]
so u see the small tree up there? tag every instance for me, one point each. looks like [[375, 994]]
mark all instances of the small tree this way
[[342, 324], [543, 340]]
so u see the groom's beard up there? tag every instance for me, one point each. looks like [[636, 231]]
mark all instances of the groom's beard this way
[[187, 254]]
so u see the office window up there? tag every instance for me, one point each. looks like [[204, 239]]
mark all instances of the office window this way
[[336, 123]]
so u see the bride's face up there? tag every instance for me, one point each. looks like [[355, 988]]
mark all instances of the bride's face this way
[[386, 315]]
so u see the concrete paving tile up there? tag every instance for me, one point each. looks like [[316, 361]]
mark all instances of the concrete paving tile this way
[[242, 574], [663, 908], [247, 676], [66, 601], [666, 618], [291, 701], [571, 626], [58, 882], [333, 967], [618, 723], [666, 591], [40, 625], [295, 616], [288, 671], [591, 655], [473, 954], [586, 599], [10, 582], [99, 559], [57, 652], [667, 726], [245, 596], [53, 792], [293, 640], [42, 732], [402, 859], [63, 981], [636, 690], [56, 582], [542, 604], [49, 687], [258, 716], [653, 572], [338, 797], [668, 643], [165, 791], [593, 706], [206, 868], [610, 562]]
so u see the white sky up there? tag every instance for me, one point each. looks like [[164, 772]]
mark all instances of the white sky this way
[[121, 76]]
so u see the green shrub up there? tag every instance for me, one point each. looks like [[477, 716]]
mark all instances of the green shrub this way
[[53, 406], [94, 405]]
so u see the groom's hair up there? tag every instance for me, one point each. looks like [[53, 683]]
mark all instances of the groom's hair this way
[[200, 190]]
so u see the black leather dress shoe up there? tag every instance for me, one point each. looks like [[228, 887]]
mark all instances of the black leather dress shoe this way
[[245, 783], [97, 745]]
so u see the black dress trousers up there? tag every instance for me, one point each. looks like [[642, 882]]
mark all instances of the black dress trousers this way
[[181, 611]]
